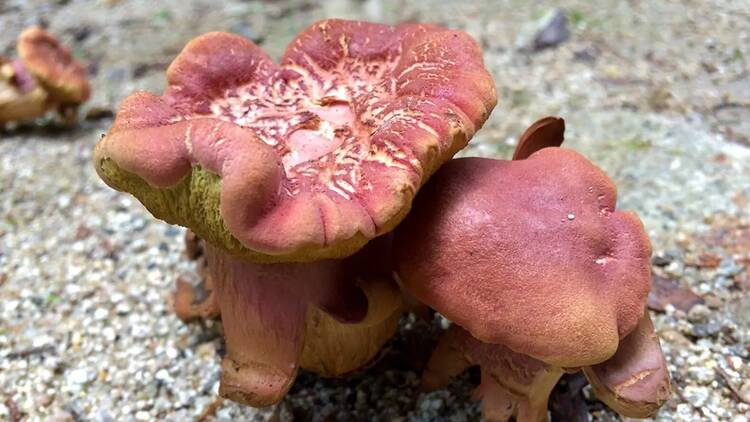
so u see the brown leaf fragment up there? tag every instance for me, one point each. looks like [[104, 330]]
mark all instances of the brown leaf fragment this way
[[666, 291], [733, 388], [210, 410], [192, 303], [109, 249], [82, 232], [705, 260], [730, 233]]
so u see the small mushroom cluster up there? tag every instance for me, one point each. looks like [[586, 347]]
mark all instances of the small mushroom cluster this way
[[298, 182], [294, 174], [45, 77]]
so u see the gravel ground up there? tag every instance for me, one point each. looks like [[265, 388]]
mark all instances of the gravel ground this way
[[657, 93]]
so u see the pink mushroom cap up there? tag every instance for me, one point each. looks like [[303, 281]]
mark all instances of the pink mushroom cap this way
[[314, 156], [53, 66], [529, 254]]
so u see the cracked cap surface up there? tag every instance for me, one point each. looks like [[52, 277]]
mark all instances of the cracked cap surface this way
[[307, 159]]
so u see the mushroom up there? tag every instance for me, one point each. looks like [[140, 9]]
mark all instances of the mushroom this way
[[46, 77], [288, 170], [55, 69], [634, 382], [21, 98], [191, 303], [539, 274]]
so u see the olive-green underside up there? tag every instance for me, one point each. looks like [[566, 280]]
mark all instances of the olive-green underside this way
[[194, 203]]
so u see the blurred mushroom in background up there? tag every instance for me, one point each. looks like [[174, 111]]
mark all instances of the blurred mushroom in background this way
[[44, 78]]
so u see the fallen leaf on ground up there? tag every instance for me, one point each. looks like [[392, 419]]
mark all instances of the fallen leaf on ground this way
[[666, 291]]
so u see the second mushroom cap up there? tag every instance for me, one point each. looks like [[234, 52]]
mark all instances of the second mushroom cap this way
[[530, 254]]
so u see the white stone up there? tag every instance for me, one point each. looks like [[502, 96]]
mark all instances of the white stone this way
[[80, 376]]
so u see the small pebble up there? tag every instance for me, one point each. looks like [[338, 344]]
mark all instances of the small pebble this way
[[699, 313], [80, 376], [696, 396]]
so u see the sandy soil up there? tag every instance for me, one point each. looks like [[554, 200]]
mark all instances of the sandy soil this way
[[657, 93]]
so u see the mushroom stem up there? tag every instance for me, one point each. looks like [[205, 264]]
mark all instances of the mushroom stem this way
[[513, 385], [264, 329], [635, 381], [333, 348], [528, 403], [278, 317], [447, 361], [68, 113]]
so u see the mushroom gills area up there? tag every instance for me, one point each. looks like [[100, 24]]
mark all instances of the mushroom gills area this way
[[318, 121], [263, 309]]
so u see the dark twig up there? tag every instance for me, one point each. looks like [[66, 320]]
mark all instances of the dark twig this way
[[735, 391], [731, 104], [31, 351]]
